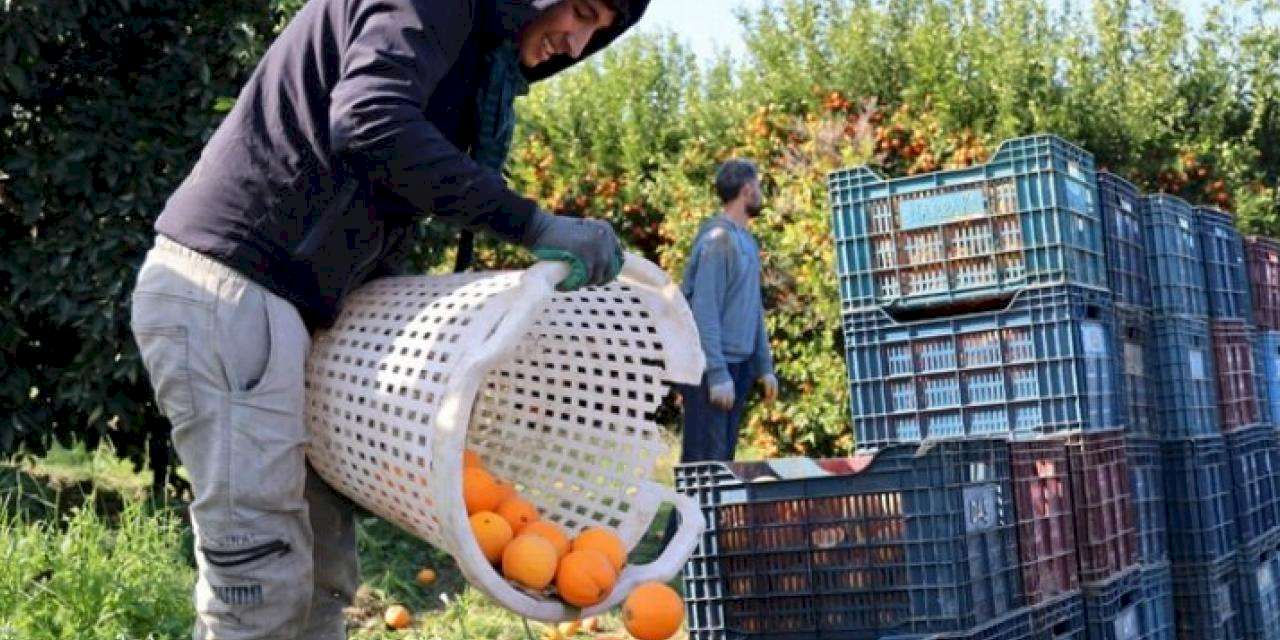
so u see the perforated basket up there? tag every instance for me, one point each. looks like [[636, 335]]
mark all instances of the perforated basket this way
[[554, 391]]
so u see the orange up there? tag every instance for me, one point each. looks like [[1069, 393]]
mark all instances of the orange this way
[[492, 534], [653, 611], [584, 577], [505, 491], [397, 617], [480, 491], [552, 532], [471, 459], [426, 577], [530, 561], [604, 541], [518, 513]]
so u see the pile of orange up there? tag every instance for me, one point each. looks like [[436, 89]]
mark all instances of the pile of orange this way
[[540, 556]]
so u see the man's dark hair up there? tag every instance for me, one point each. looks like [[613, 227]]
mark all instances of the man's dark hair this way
[[732, 176], [620, 7]]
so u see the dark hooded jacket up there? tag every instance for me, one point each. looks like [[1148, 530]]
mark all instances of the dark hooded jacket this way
[[355, 124]]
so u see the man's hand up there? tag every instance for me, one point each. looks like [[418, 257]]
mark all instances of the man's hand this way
[[770, 382], [589, 246], [722, 396]]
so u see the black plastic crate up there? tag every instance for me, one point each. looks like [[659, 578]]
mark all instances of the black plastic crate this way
[[1157, 587], [1113, 609], [1061, 618], [1206, 601], [1146, 473], [1042, 365], [906, 541], [1046, 519], [1259, 571], [1226, 271], [1199, 500], [1174, 261], [1137, 364], [1255, 472], [1186, 394], [1121, 206], [1102, 500], [1236, 350]]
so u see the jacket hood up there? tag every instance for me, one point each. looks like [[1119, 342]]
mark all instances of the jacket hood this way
[[504, 19]]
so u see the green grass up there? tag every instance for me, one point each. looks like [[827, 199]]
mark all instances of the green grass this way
[[85, 554]]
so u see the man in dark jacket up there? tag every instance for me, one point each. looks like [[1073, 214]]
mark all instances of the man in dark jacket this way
[[363, 117]]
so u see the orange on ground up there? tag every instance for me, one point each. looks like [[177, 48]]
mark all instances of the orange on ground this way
[[397, 617], [552, 532], [604, 541], [518, 513], [426, 577], [480, 491], [471, 459], [585, 577], [653, 611], [492, 534], [530, 561]]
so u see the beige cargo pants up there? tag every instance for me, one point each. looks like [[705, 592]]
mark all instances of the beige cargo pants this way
[[275, 546]]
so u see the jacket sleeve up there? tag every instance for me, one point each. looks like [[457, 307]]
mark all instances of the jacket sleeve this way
[[396, 52], [762, 358], [714, 256]]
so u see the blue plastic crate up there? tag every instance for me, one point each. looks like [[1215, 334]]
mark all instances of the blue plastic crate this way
[[1186, 395], [1027, 217], [1157, 588], [1255, 471], [1135, 350], [1199, 500], [1206, 601], [1174, 261], [1259, 572], [1043, 365], [1146, 473], [1226, 272], [907, 541], [1269, 359], [1126, 244], [1120, 609]]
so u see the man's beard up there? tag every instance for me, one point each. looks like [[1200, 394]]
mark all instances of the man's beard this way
[[754, 209]]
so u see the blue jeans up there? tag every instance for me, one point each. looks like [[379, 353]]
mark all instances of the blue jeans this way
[[711, 433]]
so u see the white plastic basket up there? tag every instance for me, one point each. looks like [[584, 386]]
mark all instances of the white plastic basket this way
[[555, 391]]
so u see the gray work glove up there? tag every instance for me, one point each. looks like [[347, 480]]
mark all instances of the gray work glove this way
[[589, 246], [722, 395]]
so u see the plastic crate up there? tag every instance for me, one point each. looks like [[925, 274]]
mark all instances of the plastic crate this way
[[1027, 217], [1133, 333], [1206, 601], [1059, 619], [1101, 497], [1126, 244], [1157, 588], [1046, 523], [1199, 500], [1186, 396], [1043, 365], [1146, 478], [1226, 274], [1269, 358], [1174, 261], [906, 542], [1262, 255], [1113, 609], [1255, 471], [1235, 350], [1259, 572]]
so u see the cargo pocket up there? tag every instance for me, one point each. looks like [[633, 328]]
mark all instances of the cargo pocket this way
[[166, 357]]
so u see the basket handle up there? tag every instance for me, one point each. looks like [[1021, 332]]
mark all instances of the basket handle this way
[[635, 269], [671, 560]]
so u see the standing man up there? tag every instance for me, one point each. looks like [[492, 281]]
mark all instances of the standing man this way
[[722, 284], [362, 118]]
